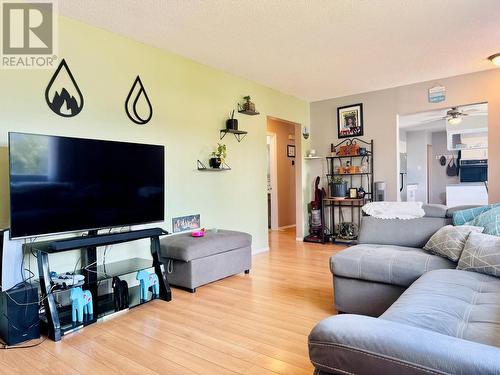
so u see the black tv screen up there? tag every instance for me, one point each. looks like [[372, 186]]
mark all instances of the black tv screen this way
[[61, 184]]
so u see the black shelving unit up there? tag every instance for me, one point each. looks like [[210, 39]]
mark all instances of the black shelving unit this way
[[57, 318], [337, 206], [238, 134], [203, 167]]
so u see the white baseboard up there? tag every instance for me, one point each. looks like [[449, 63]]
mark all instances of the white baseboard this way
[[287, 226], [261, 250]]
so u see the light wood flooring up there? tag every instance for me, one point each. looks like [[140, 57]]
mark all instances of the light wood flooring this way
[[254, 324]]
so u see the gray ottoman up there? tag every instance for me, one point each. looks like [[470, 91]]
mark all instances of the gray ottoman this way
[[195, 261]]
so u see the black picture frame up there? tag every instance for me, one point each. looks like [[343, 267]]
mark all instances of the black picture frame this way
[[290, 151], [350, 121]]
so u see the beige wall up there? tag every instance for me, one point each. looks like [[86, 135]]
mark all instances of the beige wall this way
[[381, 109], [285, 171]]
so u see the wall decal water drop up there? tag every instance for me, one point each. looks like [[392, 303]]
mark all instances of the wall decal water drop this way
[[138, 101], [63, 96]]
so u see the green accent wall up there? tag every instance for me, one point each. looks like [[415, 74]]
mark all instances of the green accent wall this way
[[191, 102]]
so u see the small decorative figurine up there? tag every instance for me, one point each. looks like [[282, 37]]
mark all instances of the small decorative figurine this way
[[81, 303], [120, 292], [361, 192], [147, 280]]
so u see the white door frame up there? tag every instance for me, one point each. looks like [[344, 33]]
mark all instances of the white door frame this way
[[273, 171]]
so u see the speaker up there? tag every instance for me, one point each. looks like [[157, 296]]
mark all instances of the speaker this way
[[11, 261], [19, 317]]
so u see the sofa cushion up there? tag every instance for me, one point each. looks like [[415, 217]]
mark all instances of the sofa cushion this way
[[410, 233], [481, 254], [356, 344], [395, 265], [186, 248], [449, 241], [435, 210], [454, 303]]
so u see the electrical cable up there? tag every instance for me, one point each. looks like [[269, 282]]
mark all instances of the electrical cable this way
[[31, 303], [41, 300], [4, 346], [170, 266]]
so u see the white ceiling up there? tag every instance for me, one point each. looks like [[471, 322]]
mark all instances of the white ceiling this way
[[434, 120], [312, 49]]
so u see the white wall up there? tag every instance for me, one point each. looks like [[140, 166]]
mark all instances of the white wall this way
[[402, 141], [416, 149]]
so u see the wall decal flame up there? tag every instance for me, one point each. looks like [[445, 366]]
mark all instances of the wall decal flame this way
[[63, 96], [137, 92]]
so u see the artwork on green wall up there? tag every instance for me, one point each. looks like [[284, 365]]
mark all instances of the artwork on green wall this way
[[137, 105], [63, 96]]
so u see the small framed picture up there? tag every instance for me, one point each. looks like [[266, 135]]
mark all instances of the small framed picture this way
[[183, 223], [353, 193], [290, 151], [350, 121]]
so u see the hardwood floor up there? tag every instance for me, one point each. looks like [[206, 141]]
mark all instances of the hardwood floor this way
[[254, 324]]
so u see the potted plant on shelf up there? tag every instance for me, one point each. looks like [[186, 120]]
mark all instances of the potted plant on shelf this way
[[338, 187], [218, 156], [248, 105], [348, 231]]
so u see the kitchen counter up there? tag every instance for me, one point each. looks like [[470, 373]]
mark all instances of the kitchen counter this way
[[466, 193], [467, 184]]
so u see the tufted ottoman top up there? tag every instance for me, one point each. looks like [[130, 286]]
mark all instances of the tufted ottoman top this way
[[456, 303], [186, 248]]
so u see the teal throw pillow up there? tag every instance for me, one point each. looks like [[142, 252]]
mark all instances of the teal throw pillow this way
[[464, 216], [489, 220]]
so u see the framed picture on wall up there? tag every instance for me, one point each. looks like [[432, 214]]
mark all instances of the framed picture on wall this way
[[350, 120], [290, 151]]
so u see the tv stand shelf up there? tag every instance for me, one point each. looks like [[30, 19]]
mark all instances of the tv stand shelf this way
[[106, 308], [58, 320]]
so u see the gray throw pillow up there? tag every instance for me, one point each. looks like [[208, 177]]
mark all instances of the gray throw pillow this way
[[449, 241], [481, 254]]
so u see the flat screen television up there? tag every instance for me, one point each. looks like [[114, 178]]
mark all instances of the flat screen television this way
[[62, 184]]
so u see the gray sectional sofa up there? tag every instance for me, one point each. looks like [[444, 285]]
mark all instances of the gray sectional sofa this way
[[408, 311]]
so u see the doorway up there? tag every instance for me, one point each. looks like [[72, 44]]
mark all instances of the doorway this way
[[283, 171], [272, 180], [438, 149]]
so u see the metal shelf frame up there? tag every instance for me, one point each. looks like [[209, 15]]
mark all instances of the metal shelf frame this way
[[364, 179]]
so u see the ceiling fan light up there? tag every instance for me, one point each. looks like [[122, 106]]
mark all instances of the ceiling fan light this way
[[495, 59], [455, 120]]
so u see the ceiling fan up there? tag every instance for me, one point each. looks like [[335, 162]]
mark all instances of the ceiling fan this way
[[454, 116]]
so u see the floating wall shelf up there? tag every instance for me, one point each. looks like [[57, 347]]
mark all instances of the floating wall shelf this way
[[203, 167], [238, 134], [249, 113]]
